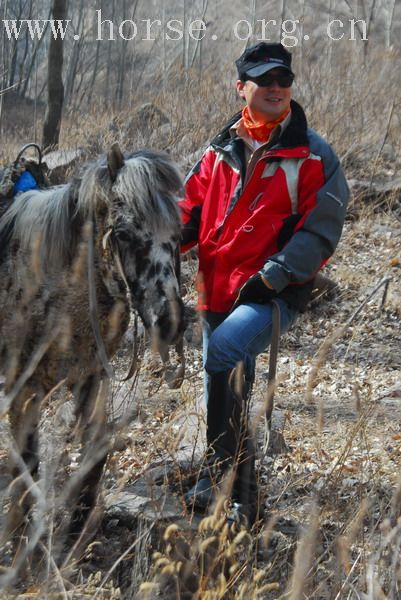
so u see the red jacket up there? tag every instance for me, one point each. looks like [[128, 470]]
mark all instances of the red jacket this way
[[282, 214]]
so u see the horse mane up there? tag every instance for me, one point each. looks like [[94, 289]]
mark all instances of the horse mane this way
[[153, 183], [147, 185], [44, 216]]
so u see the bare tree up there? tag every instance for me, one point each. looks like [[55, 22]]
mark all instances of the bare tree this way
[[55, 87], [109, 61], [122, 63], [389, 22], [25, 77], [368, 18], [75, 54], [198, 42], [94, 72]]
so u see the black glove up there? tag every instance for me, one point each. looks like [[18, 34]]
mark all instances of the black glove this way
[[254, 290]]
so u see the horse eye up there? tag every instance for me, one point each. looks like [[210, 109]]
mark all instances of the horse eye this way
[[123, 235]]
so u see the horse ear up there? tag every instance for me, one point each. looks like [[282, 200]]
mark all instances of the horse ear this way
[[115, 160]]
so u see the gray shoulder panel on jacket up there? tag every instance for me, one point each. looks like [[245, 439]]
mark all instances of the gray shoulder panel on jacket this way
[[318, 237], [320, 147]]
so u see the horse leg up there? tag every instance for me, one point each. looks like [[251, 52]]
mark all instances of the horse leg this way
[[24, 417], [91, 424]]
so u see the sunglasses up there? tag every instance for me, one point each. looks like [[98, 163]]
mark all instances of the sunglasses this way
[[284, 80]]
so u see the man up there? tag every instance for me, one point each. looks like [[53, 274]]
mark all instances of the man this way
[[266, 205]]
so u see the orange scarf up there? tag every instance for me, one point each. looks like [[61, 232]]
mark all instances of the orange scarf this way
[[260, 130]]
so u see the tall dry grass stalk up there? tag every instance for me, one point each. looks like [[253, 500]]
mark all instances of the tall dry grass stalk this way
[[303, 558], [354, 103]]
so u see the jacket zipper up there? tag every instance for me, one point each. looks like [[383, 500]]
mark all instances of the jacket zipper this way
[[248, 175], [228, 212]]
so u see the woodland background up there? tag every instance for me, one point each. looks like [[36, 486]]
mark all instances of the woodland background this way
[[332, 500]]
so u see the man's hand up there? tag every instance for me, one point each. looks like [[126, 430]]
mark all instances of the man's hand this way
[[257, 289]]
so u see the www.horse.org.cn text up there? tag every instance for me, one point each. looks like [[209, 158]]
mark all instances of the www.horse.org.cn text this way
[[291, 31]]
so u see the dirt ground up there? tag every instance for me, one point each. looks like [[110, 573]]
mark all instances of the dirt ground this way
[[338, 400]]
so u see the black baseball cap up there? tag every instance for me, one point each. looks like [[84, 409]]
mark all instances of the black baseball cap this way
[[261, 58]]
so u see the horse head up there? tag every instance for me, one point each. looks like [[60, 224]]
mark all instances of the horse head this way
[[145, 233]]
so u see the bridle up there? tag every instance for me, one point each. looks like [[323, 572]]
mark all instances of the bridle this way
[[172, 375]]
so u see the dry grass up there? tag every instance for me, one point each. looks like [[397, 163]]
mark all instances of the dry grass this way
[[332, 506]]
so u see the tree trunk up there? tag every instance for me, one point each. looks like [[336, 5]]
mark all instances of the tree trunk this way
[[26, 78], [55, 87], [94, 73], [72, 69], [14, 52]]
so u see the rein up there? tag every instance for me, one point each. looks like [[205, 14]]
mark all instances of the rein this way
[[93, 312], [271, 378], [109, 241], [173, 376]]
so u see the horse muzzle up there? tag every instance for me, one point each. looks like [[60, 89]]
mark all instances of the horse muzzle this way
[[169, 330], [170, 324]]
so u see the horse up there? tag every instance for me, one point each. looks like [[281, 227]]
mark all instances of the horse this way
[[75, 260]]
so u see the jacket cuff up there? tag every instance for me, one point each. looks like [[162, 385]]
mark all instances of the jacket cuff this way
[[276, 275]]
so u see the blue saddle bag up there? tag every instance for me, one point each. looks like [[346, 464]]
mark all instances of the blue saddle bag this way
[[26, 181]]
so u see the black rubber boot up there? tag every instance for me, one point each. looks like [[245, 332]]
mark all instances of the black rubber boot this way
[[203, 493], [229, 445], [243, 515]]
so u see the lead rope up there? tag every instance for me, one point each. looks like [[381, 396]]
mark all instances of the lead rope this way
[[172, 376], [93, 313], [179, 347], [134, 366], [271, 378], [115, 253]]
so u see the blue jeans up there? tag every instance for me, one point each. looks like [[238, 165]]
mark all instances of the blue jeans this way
[[229, 338]]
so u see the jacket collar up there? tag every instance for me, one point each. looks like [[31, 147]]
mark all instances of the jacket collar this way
[[295, 134]]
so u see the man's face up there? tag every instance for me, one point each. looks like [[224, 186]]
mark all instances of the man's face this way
[[265, 103]]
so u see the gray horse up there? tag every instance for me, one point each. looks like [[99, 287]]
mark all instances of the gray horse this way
[[73, 260]]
